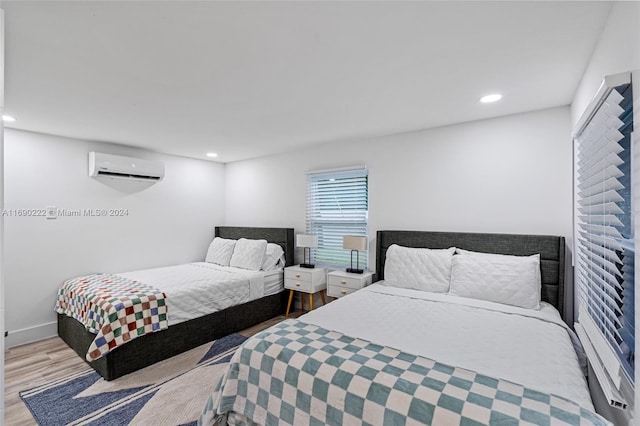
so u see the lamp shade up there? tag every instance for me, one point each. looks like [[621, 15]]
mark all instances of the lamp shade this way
[[354, 242], [306, 240]]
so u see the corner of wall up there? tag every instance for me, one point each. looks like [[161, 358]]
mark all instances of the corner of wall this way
[[617, 50]]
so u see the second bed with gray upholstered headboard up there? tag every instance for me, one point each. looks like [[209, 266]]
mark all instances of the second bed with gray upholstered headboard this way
[[151, 348]]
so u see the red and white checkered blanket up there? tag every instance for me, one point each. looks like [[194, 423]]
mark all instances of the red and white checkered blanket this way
[[115, 308]]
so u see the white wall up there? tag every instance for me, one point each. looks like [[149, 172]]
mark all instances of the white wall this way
[[168, 223], [511, 174], [618, 50]]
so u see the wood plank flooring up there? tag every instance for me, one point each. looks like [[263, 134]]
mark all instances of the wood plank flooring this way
[[37, 363]]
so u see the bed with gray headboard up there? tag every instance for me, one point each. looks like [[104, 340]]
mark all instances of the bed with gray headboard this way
[[155, 347], [414, 347], [551, 250]]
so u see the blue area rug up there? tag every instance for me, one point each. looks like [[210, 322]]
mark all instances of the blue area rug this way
[[171, 392]]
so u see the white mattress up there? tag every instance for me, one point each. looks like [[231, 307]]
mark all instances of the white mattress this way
[[533, 348], [201, 288]]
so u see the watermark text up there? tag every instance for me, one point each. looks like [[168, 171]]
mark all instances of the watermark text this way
[[53, 212]]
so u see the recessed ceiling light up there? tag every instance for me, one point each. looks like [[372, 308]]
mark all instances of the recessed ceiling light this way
[[491, 98], [212, 154], [8, 118]]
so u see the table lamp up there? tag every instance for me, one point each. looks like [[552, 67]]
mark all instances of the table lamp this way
[[354, 243], [307, 242]]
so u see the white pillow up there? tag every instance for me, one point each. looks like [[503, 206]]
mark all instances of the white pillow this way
[[220, 251], [273, 257], [511, 280], [418, 268], [248, 254]]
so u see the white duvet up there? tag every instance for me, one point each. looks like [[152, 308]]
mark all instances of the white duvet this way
[[201, 288], [529, 347]]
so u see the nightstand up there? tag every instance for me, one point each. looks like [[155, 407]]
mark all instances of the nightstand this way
[[341, 283], [305, 280]]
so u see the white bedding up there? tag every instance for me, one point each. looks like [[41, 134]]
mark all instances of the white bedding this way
[[201, 288], [273, 282], [529, 347]]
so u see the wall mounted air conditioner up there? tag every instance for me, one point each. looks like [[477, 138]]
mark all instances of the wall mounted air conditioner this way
[[124, 168]]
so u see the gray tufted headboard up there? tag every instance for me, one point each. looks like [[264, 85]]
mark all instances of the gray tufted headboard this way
[[282, 236], [551, 249]]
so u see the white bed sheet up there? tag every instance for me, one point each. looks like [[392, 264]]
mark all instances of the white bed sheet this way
[[533, 348], [201, 288], [273, 282]]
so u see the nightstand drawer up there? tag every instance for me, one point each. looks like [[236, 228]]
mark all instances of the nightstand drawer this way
[[297, 274], [309, 280], [345, 282], [341, 283], [338, 290], [297, 284]]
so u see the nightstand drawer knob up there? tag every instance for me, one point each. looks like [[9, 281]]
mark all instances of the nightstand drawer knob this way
[[343, 282], [297, 284], [344, 292], [297, 275]]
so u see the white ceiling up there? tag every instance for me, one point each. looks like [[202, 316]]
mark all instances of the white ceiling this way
[[248, 79]]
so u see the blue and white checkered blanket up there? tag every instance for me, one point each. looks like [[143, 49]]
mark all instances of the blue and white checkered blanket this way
[[301, 374]]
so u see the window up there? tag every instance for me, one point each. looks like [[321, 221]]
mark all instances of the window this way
[[337, 205], [604, 232]]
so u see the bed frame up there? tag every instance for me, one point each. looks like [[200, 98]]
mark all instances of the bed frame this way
[[551, 249], [151, 348]]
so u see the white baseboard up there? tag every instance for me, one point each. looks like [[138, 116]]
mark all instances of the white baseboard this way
[[30, 334]]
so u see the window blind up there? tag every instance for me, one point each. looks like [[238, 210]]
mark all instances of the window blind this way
[[337, 205], [605, 248]]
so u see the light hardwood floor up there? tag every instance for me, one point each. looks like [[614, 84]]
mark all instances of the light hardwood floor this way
[[37, 363]]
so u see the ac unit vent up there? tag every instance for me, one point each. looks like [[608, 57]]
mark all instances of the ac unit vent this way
[[125, 168]]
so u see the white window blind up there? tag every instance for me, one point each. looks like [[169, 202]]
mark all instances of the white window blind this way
[[604, 235], [337, 205]]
